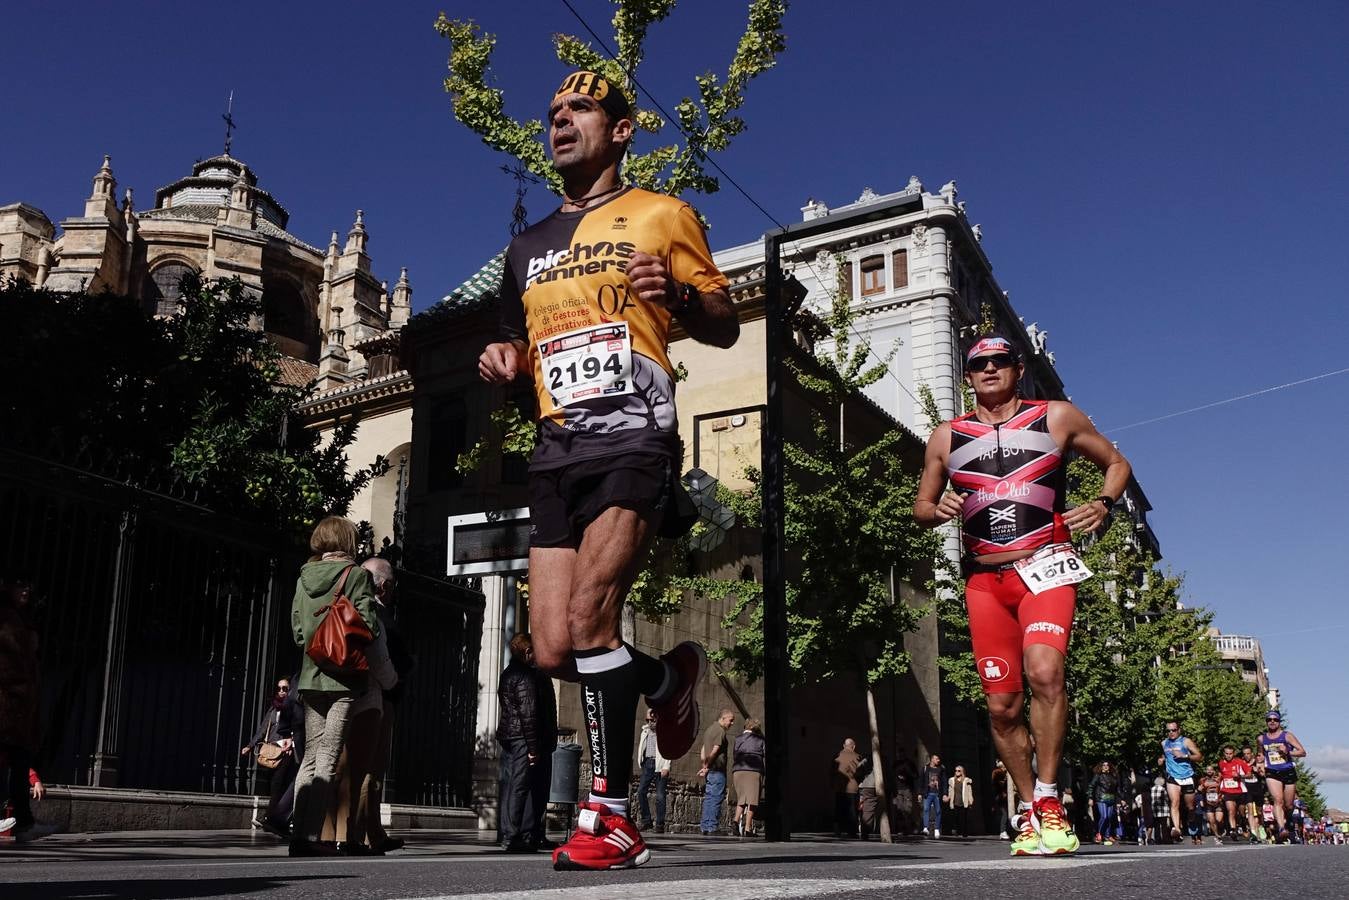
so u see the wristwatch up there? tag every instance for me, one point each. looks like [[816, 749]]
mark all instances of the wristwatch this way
[[1108, 501], [689, 299]]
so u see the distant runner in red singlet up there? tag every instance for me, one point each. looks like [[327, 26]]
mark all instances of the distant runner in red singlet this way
[[1005, 461]]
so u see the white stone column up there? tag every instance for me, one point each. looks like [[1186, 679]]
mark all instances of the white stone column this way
[[934, 355], [498, 627], [494, 616]]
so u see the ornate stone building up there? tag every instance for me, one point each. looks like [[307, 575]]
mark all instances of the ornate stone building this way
[[320, 307]]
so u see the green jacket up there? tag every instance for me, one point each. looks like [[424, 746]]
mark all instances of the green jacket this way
[[313, 591]]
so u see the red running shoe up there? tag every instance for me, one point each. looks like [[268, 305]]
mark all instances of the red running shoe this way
[[677, 717], [602, 840]]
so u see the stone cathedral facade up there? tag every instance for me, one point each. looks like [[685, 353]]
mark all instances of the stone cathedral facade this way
[[324, 309]]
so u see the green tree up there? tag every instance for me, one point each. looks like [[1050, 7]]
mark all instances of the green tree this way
[[849, 531], [706, 123], [1309, 790], [193, 399]]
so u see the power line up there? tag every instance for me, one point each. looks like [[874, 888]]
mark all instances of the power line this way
[[1194, 409], [668, 118], [744, 193]]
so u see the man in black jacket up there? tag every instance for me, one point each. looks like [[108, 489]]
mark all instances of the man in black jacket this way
[[527, 732], [369, 807]]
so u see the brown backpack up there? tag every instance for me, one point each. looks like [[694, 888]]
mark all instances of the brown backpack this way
[[337, 646]]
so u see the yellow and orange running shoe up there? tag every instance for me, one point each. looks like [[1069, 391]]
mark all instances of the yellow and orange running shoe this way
[[1027, 840], [1056, 835]]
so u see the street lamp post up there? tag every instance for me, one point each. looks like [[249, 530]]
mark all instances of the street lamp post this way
[[777, 332]]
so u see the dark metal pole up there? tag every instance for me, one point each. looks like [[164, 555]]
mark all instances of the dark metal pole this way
[[776, 664], [112, 715]]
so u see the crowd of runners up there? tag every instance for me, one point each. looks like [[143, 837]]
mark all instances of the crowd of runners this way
[[1246, 794]]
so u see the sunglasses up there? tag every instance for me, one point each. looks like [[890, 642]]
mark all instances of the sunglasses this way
[[999, 361], [1173, 729], [283, 688]]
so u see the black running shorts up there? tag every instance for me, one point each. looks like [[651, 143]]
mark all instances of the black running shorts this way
[[1184, 788], [1287, 776], [563, 502]]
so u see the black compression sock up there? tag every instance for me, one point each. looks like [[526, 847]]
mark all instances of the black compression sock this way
[[609, 711]]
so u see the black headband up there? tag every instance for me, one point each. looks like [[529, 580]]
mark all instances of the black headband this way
[[598, 88]]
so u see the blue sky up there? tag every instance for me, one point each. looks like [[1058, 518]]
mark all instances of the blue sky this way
[[1162, 186]]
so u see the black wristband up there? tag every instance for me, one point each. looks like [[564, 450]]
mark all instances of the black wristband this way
[[1109, 502], [690, 300]]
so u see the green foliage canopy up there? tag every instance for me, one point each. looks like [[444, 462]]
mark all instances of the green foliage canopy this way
[[706, 124], [193, 399]]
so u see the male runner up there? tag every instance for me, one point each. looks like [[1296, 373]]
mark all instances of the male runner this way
[[1254, 781], [1180, 754], [1007, 458], [1232, 782], [1210, 789], [587, 299], [1280, 748]]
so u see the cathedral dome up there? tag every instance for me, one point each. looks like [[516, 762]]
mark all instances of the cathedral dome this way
[[210, 184]]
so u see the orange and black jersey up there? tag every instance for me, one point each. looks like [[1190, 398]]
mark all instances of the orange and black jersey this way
[[598, 352]]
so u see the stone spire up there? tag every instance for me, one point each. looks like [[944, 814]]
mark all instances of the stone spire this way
[[102, 204], [326, 288], [130, 222], [357, 238], [94, 251], [241, 212], [333, 362], [400, 307], [355, 288]]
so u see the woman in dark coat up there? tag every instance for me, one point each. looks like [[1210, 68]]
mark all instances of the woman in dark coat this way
[[279, 725], [747, 771]]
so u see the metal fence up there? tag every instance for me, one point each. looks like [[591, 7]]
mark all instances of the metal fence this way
[[163, 625]]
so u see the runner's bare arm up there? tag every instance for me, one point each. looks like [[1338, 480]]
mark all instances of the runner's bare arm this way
[[1297, 751], [501, 362], [1079, 434], [932, 507], [710, 321], [1194, 753]]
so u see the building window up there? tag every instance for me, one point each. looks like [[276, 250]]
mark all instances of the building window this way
[[286, 315], [873, 275], [901, 268], [380, 365], [163, 288], [448, 438]]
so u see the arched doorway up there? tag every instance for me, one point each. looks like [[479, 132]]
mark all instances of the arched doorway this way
[[388, 497], [162, 288]]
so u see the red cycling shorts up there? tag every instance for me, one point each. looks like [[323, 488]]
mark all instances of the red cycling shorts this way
[[1006, 618]]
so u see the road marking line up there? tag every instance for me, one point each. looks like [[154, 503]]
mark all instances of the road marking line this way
[[1024, 862], [1066, 862], [701, 889]]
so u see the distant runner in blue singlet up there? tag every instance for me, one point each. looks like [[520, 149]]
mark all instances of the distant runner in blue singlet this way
[[1180, 754]]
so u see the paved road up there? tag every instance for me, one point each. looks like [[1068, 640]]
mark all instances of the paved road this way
[[158, 866]]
